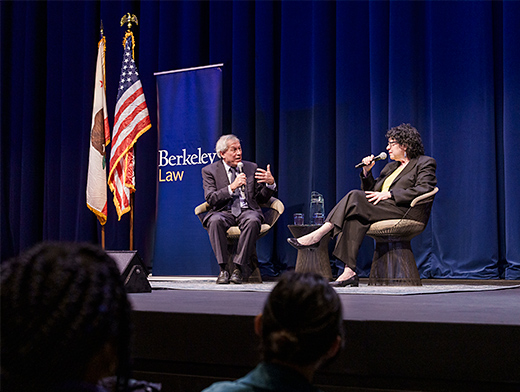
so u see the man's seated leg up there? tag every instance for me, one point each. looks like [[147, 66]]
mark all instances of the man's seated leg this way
[[218, 225], [249, 223]]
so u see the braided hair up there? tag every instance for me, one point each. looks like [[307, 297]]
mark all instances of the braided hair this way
[[301, 319], [62, 303]]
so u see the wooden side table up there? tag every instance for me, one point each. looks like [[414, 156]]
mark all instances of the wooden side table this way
[[312, 260]]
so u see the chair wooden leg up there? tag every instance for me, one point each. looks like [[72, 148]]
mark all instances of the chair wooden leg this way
[[252, 274], [394, 265]]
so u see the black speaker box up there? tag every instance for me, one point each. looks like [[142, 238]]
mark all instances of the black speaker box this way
[[133, 271]]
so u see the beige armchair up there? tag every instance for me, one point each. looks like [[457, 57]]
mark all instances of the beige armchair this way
[[272, 211], [394, 262]]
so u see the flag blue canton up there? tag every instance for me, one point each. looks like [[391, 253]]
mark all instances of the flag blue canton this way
[[129, 74]]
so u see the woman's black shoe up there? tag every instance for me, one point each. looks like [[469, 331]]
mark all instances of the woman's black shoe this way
[[294, 242], [353, 282]]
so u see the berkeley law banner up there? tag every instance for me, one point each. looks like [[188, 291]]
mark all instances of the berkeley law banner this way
[[189, 104]]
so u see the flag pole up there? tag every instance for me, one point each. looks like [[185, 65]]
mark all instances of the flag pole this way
[[129, 19], [102, 226], [131, 120]]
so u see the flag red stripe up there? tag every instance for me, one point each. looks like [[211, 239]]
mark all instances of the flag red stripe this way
[[128, 120], [107, 132], [120, 132], [120, 198], [128, 102], [120, 150]]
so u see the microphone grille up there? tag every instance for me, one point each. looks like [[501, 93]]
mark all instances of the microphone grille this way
[[240, 165], [382, 155]]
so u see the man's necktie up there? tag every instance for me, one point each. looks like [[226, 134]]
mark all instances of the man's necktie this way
[[235, 205]]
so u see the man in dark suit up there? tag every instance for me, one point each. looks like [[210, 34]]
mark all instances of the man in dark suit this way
[[234, 190]]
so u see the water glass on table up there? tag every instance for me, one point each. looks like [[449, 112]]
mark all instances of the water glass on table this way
[[298, 219], [319, 218]]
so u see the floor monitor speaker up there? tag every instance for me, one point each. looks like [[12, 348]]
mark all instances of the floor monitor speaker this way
[[133, 271]]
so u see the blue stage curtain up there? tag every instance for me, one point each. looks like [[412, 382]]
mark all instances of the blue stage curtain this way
[[310, 87]]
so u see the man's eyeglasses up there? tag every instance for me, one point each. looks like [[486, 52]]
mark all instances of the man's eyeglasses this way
[[391, 143]]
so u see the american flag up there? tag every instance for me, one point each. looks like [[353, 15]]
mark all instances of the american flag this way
[[131, 121]]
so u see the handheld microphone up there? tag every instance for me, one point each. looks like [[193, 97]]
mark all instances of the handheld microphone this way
[[378, 158], [240, 168]]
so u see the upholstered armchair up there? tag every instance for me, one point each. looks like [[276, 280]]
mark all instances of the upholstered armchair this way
[[272, 211], [393, 262]]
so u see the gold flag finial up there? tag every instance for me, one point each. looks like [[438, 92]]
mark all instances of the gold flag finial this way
[[129, 19]]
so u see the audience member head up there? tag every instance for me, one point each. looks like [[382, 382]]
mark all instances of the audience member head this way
[[223, 143], [65, 319], [302, 322], [408, 136]]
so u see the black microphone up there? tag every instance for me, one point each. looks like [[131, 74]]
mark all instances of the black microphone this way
[[240, 168], [378, 158]]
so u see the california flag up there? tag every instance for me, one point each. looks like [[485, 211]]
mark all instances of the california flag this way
[[99, 139]]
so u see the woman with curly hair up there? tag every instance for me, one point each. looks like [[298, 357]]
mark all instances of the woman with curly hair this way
[[65, 320], [300, 328], [388, 197]]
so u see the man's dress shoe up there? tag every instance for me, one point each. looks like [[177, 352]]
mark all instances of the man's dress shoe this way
[[236, 277], [296, 244], [223, 277], [352, 281]]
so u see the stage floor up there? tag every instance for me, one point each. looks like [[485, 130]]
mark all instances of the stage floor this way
[[467, 340]]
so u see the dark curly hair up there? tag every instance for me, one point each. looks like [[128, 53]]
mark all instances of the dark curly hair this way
[[408, 136], [301, 319], [62, 303]]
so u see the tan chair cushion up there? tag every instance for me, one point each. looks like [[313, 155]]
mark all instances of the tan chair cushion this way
[[234, 231], [395, 227]]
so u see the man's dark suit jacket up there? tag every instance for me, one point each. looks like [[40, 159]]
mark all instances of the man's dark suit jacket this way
[[215, 182]]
